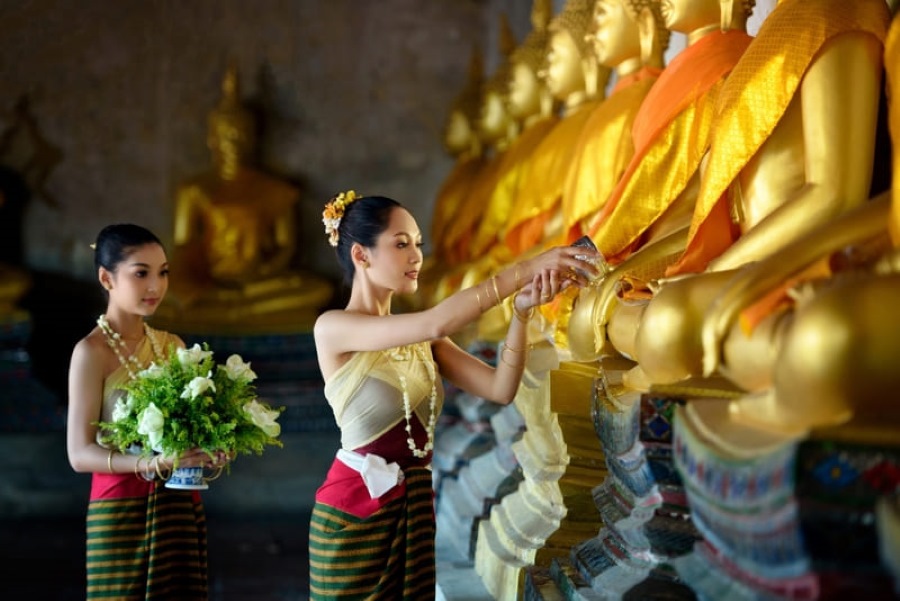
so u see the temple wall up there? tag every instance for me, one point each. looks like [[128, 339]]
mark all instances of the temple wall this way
[[349, 94]]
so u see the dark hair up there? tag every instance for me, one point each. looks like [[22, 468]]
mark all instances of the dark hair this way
[[364, 220], [116, 242]]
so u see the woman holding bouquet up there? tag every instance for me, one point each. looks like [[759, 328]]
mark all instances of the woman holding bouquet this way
[[144, 541], [372, 527]]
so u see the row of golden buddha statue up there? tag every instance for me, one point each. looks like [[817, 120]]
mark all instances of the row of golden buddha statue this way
[[751, 255]]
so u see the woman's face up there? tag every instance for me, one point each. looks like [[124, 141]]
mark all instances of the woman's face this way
[[397, 256], [140, 281]]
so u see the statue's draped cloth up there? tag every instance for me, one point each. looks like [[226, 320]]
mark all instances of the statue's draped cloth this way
[[671, 135], [751, 104]]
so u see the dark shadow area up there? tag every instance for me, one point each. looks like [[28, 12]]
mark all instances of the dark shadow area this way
[[252, 559]]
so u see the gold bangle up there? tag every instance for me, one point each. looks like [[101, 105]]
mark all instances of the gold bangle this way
[[137, 467], [215, 474], [478, 298], [496, 290], [109, 461], [510, 364], [516, 350], [523, 318], [160, 473], [516, 276]]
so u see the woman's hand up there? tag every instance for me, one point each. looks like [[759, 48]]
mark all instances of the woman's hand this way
[[196, 458], [544, 287], [574, 264]]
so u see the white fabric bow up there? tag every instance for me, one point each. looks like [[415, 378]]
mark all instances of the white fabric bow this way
[[378, 475]]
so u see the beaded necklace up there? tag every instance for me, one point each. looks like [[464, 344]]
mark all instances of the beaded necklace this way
[[115, 342], [400, 355]]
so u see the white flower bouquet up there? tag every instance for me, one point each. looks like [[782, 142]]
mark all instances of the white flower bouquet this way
[[191, 402]]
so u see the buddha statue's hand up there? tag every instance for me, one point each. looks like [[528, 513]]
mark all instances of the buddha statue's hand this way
[[755, 280]]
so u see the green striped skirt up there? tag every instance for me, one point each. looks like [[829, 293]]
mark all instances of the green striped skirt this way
[[361, 548], [147, 547]]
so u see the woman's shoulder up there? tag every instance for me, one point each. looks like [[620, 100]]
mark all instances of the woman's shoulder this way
[[90, 348]]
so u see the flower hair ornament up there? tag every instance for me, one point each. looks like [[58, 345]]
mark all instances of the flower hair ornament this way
[[334, 212]]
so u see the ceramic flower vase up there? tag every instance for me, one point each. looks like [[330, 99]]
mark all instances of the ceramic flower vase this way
[[187, 478]]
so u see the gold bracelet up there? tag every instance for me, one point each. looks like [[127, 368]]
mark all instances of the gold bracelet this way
[[160, 473], [510, 364], [478, 298], [137, 467], [109, 461], [523, 318], [496, 290], [516, 276], [516, 350]]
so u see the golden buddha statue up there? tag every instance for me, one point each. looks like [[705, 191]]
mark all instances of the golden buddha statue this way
[[14, 283], [831, 347], [463, 142], [530, 109], [235, 239], [577, 81], [496, 130], [628, 37], [530, 105], [643, 224], [780, 165]]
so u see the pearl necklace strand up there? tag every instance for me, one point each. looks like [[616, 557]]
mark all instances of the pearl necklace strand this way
[[407, 411], [115, 342]]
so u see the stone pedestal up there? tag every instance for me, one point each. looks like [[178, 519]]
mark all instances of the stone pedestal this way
[[560, 464]]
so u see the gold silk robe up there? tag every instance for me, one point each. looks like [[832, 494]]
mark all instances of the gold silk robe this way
[[602, 152], [671, 135], [461, 229], [750, 107], [541, 186], [515, 163], [450, 199]]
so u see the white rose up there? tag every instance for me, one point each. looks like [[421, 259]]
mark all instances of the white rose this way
[[121, 410], [198, 386], [150, 424], [153, 371], [263, 418], [238, 370], [192, 356]]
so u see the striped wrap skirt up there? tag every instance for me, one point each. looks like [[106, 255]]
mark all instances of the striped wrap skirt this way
[[364, 548], [145, 542]]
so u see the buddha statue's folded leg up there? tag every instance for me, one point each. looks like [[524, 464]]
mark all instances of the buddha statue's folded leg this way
[[667, 341]]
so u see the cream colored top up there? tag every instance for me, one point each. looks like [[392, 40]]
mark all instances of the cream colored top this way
[[144, 353], [366, 393]]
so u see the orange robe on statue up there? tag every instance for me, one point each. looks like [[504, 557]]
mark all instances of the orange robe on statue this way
[[461, 230], [671, 136], [450, 200], [499, 206], [603, 151], [750, 108]]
